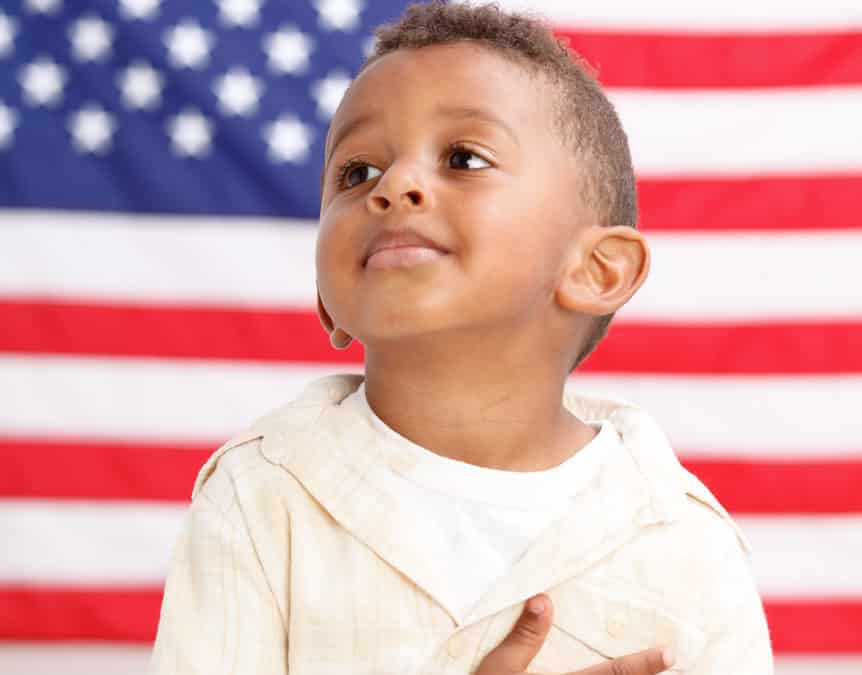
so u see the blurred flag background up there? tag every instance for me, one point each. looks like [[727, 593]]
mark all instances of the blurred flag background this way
[[159, 165]]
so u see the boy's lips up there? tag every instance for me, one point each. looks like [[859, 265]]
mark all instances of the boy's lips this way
[[401, 248]]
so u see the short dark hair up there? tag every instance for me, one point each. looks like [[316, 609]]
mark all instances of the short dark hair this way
[[586, 118]]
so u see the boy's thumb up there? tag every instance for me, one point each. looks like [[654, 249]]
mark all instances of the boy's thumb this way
[[520, 646]]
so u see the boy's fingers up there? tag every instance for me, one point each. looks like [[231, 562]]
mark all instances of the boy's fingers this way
[[650, 662], [521, 645]]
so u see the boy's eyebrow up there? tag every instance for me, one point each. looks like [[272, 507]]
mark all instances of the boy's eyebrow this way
[[460, 112], [476, 113], [348, 128]]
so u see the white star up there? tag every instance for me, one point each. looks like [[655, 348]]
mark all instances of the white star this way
[[188, 44], [288, 50], [141, 86], [288, 139], [239, 12], [329, 91], [43, 6], [139, 9], [8, 122], [43, 81], [91, 38], [191, 133], [91, 128], [8, 28], [338, 14], [238, 92]]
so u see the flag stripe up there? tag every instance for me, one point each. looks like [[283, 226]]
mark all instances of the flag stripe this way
[[806, 664], [77, 658], [192, 400], [809, 486], [726, 132], [112, 613], [131, 615], [798, 556], [101, 543], [664, 60], [256, 263], [674, 15], [101, 470], [776, 203], [45, 327], [827, 627]]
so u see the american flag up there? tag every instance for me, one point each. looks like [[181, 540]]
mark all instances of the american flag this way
[[159, 165]]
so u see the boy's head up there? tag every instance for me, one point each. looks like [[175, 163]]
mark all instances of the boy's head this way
[[474, 131]]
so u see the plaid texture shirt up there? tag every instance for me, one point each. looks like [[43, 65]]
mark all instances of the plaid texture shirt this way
[[291, 560]]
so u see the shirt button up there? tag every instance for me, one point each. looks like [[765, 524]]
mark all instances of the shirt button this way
[[454, 646], [617, 623]]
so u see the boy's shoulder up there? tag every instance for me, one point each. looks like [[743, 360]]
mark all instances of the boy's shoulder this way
[[676, 493], [277, 427]]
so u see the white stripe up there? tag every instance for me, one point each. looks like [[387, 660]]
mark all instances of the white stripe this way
[[818, 665], [162, 259], [50, 658], [258, 263], [53, 658], [87, 543], [779, 417], [695, 15], [758, 276], [781, 131], [806, 556], [132, 543], [141, 398]]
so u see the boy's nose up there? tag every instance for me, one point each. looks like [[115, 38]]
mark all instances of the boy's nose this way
[[398, 190]]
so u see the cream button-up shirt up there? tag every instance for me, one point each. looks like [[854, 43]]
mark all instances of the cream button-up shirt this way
[[291, 560]]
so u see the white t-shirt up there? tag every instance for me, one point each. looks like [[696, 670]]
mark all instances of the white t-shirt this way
[[483, 519]]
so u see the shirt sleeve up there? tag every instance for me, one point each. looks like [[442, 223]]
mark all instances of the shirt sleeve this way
[[218, 615], [738, 637]]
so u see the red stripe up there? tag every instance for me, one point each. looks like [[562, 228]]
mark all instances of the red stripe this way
[[91, 469], [131, 615], [38, 468], [666, 60], [52, 613], [46, 327], [782, 487], [775, 348], [772, 203], [812, 627]]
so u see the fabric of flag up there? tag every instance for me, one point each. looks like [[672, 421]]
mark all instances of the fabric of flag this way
[[159, 168]]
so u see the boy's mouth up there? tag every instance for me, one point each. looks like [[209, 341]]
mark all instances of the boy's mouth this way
[[401, 248]]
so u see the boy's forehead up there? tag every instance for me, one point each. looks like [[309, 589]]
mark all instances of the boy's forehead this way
[[458, 75]]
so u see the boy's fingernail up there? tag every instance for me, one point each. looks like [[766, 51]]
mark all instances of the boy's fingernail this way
[[668, 657], [536, 606]]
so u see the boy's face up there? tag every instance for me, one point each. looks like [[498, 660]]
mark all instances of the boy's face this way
[[460, 146]]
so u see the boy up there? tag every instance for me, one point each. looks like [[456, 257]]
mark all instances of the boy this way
[[476, 234]]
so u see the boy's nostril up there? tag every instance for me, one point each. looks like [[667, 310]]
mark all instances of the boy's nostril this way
[[380, 202], [415, 197]]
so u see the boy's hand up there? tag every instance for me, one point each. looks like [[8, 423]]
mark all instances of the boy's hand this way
[[520, 646]]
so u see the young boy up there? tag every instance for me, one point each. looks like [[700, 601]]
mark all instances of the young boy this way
[[476, 234]]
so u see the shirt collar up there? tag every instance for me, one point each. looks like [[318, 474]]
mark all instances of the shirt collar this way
[[340, 461]]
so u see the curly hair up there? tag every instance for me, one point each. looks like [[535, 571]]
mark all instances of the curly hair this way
[[585, 117]]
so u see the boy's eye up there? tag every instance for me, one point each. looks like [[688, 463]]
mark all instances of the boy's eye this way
[[359, 174], [465, 159]]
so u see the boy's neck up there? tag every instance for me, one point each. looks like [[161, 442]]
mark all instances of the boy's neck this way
[[484, 408]]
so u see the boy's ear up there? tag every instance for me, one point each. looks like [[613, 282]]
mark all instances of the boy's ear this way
[[606, 266], [337, 337]]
